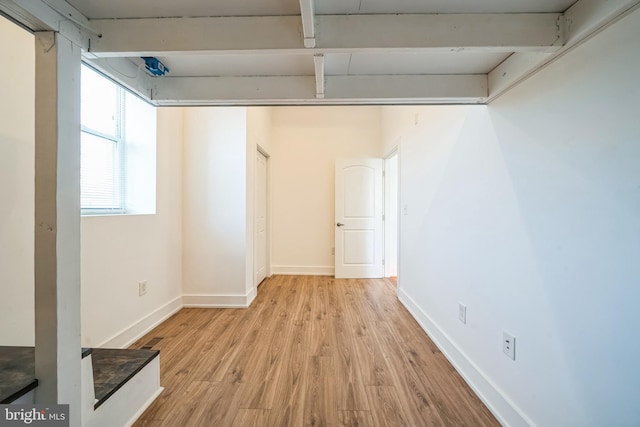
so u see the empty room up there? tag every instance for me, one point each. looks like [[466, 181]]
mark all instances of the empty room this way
[[288, 212]]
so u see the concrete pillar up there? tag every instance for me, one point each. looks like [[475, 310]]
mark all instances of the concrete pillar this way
[[57, 222]]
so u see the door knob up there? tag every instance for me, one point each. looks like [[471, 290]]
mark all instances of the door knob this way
[[339, 224]]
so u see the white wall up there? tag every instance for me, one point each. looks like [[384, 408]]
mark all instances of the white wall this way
[[119, 251], [215, 207], [17, 117], [306, 141], [528, 212]]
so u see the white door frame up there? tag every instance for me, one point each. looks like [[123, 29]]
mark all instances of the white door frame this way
[[268, 218], [394, 152]]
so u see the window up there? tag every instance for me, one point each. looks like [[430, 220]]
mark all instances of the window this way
[[118, 132]]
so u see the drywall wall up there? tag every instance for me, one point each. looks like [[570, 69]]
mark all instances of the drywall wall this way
[[121, 250], [528, 212], [305, 143], [215, 253], [17, 117]]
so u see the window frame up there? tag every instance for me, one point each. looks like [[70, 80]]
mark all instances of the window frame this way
[[120, 148]]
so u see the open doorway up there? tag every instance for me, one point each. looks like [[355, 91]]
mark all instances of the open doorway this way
[[391, 181]]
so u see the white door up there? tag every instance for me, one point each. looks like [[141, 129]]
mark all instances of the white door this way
[[358, 221], [260, 225]]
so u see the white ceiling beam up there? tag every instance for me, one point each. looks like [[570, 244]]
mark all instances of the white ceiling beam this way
[[333, 34], [318, 62], [469, 89], [162, 36], [51, 15], [125, 72], [458, 86], [453, 32], [200, 90], [582, 20], [307, 12]]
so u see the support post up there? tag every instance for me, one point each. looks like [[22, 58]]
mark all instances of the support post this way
[[57, 222]]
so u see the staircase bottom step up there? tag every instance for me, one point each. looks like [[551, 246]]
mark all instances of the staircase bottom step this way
[[112, 368]]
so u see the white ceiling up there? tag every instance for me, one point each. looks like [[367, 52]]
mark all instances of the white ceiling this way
[[249, 52], [101, 9], [412, 63], [239, 65]]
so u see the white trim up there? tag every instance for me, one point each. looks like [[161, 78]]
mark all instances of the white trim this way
[[219, 301], [132, 333], [253, 293], [303, 270], [507, 413], [144, 407]]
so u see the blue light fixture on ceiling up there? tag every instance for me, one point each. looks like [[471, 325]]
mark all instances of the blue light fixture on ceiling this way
[[154, 66]]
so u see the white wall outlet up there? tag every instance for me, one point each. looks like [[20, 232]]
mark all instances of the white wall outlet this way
[[462, 313], [509, 345], [142, 288]]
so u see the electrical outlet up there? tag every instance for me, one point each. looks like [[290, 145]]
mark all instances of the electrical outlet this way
[[142, 288], [509, 345], [462, 313]]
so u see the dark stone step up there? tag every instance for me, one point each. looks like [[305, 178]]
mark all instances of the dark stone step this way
[[17, 373], [112, 368]]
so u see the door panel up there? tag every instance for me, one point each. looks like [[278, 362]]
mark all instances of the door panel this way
[[358, 247], [359, 192], [358, 218]]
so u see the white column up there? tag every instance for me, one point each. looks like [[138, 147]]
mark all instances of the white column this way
[[57, 222]]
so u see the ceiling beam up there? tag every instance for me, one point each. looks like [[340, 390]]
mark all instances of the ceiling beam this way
[[453, 32], [318, 61], [582, 20], [469, 89], [51, 15], [333, 33], [125, 72], [307, 12]]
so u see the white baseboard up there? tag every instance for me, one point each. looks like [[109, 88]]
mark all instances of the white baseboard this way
[[131, 334], [218, 301], [144, 407], [507, 413], [253, 293], [303, 270]]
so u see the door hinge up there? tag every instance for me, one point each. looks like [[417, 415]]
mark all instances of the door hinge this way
[[383, 217], [384, 174], [383, 262]]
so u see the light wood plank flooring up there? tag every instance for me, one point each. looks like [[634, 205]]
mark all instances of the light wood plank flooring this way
[[310, 351]]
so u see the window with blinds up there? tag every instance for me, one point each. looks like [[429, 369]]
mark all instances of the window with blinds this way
[[112, 120]]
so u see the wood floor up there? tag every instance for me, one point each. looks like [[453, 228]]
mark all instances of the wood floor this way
[[310, 351]]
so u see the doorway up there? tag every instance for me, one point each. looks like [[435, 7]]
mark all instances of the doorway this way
[[261, 252]]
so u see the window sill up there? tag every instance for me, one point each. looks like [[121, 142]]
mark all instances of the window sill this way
[[102, 215]]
